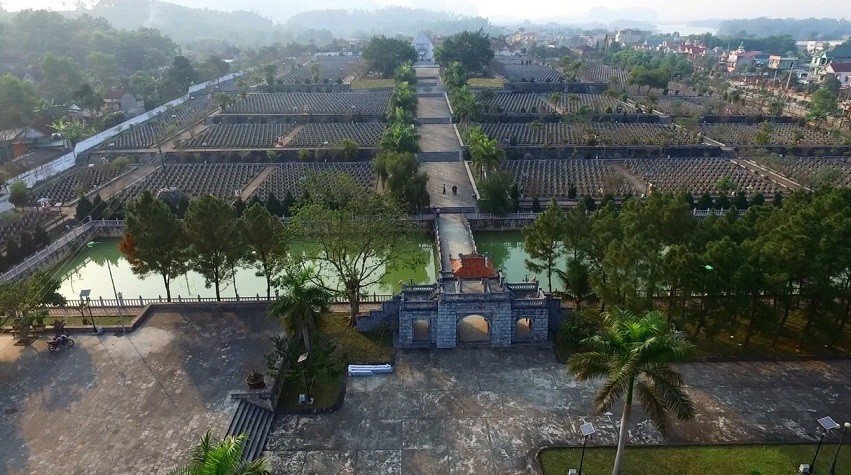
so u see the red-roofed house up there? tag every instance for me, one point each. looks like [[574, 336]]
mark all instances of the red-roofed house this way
[[841, 71]]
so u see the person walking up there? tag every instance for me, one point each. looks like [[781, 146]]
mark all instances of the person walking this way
[[444, 188]]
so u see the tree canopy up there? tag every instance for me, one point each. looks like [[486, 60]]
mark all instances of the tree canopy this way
[[357, 235], [154, 240], [385, 55], [472, 50]]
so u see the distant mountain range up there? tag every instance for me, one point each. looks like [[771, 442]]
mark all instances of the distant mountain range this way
[[185, 24]]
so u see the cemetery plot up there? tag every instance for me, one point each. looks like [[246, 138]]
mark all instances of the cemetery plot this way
[[547, 178], [26, 221], [148, 134], [674, 105], [600, 73], [314, 135], [289, 177], [530, 73], [767, 134], [511, 103], [224, 180], [589, 134], [589, 103], [240, 136], [301, 103], [325, 70], [812, 172], [75, 182], [715, 176]]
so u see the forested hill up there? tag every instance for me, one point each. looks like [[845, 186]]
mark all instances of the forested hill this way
[[185, 24], [385, 21], [808, 29]]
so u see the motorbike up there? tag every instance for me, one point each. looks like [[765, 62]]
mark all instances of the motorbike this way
[[59, 341]]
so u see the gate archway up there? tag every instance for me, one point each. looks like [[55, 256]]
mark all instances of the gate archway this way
[[473, 329], [523, 329], [422, 330]]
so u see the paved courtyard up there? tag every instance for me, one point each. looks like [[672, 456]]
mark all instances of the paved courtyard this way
[[488, 411], [125, 405]]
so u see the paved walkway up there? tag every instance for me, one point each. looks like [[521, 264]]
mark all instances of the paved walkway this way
[[455, 239], [429, 107], [256, 182], [125, 405], [438, 138], [449, 174], [488, 411]]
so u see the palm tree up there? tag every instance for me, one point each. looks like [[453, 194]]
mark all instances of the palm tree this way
[[301, 306], [485, 152], [634, 356], [222, 457]]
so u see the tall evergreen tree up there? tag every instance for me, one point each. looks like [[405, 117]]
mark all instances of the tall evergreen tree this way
[[214, 239], [154, 240], [543, 241]]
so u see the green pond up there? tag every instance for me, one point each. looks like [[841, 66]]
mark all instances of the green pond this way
[[508, 253], [89, 270]]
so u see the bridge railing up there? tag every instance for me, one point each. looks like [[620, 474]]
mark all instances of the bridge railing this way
[[143, 301], [42, 255]]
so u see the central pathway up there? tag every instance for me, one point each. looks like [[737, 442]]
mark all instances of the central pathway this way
[[455, 239], [440, 158]]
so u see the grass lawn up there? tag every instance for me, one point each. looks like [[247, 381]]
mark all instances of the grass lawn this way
[[325, 392], [704, 460], [493, 83], [354, 346], [373, 83]]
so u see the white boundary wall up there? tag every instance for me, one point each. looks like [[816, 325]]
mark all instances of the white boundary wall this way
[[67, 161]]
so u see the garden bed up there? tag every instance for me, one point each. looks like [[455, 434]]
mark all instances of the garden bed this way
[[354, 347], [704, 460]]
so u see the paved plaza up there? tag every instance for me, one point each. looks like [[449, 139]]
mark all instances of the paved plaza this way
[[136, 404], [125, 405], [488, 411]]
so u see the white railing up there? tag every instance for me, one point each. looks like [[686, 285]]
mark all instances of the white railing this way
[[42, 255], [144, 301], [478, 215]]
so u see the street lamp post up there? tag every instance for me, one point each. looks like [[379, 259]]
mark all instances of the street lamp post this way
[[92, 244], [84, 297], [845, 428], [587, 431], [827, 424]]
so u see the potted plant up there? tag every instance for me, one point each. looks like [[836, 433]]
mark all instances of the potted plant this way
[[255, 379]]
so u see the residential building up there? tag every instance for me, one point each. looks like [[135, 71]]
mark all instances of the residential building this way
[[124, 101], [841, 71], [781, 63], [819, 63], [630, 36]]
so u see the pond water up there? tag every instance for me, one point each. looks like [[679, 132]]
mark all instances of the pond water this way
[[508, 253], [89, 270]]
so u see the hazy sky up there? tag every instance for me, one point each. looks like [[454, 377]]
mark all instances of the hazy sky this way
[[665, 10]]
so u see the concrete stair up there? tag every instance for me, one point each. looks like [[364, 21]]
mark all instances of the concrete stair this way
[[434, 120], [439, 156], [254, 420]]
